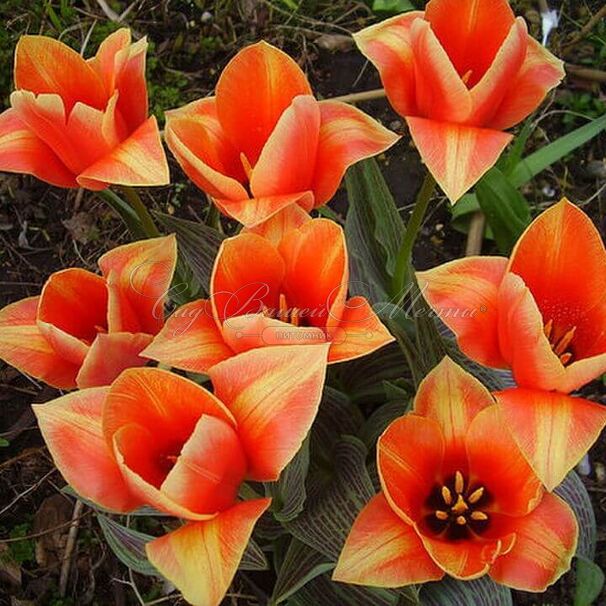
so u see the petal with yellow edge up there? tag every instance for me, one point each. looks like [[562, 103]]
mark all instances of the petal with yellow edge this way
[[139, 276], [22, 151], [410, 454], [464, 295], [553, 430], [457, 155], [23, 346], [72, 429], [275, 228], [273, 391], [45, 65], [452, 398], [190, 339], [107, 58], [260, 81], [109, 355], [137, 161], [387, 45], [546, 540], [201, 558], [384, 551]]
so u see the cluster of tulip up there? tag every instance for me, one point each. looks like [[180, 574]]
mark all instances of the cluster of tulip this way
[[467, 476]]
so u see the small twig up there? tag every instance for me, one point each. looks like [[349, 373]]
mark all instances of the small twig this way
[[26, 492], [475, 237], [586, 73], [69, 547], [42, 533], [367, 95], [586, 29]]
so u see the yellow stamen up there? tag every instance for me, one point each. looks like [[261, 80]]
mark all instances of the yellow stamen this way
[[283, 311], [548, 328], [476, 495], [246, 165], [479, 515], [461, 520], [446, 495], [460, 506], [565, 358], [564, 342], [459, 482], [294, 316], [441, 515], [466, 76]]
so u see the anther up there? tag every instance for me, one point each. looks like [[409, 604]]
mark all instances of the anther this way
[[565, 358], [283, 311], [441, 515], [446, 495], [564, 342], [246, 165], [466, 76], [459, 482], [476, 495], [460, 506], [548, 328], [294, 316], [479, 516], [461, 520]]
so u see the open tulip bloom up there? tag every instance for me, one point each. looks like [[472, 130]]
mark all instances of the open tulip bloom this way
[[283, 285], [461, 73], [264, 142], [84, 329], [82, 123], [156, 438], [458, 498]]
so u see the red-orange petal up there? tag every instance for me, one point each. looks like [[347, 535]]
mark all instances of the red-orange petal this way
[[260, 81], [108, 58], [22, 151], [23, 346], [540, 72], [497, 464], [546, 540], [441, 95], [410, 454], [464, 295], [190, 339], [109, 355], [201, 558], [553, 430], [457, 155], [452, 398], [387, 45], [45, 65], [471, 32], [275, 228], [384, 551], [347, 135], [359, 332], [272, 392], [138, 161], [71, 428], [139, 275], [196, 139]]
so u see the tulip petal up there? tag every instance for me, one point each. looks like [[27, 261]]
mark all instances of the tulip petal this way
[[254, 211], [23, 346], [315, 257], [410, 454], [440, 93], [494, 85], [109, 355], [471, 32], [383, 551], [457, 155], [264, 80], [21, 151], [546, 540], [71, 427], [464, 295], [107, 59], [137, 161], [195, 137], [139, 275], [540, 72], [387, 45], [359, 332], [190, 339], [452, 398], [553, 430], [497, 464], [239, 287], [347, 135], [210, 468], [274, 391], [45, 65], [201, 558], [275, 228]]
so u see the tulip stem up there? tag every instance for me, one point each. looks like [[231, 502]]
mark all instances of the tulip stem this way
[[134, 199], [401, 272]]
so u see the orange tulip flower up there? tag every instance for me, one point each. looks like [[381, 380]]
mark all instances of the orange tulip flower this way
[[82, 123], [541, 313], [263, 142], [156, 438], [461, 73], [283, 285], [84, 329], [457, 498]]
